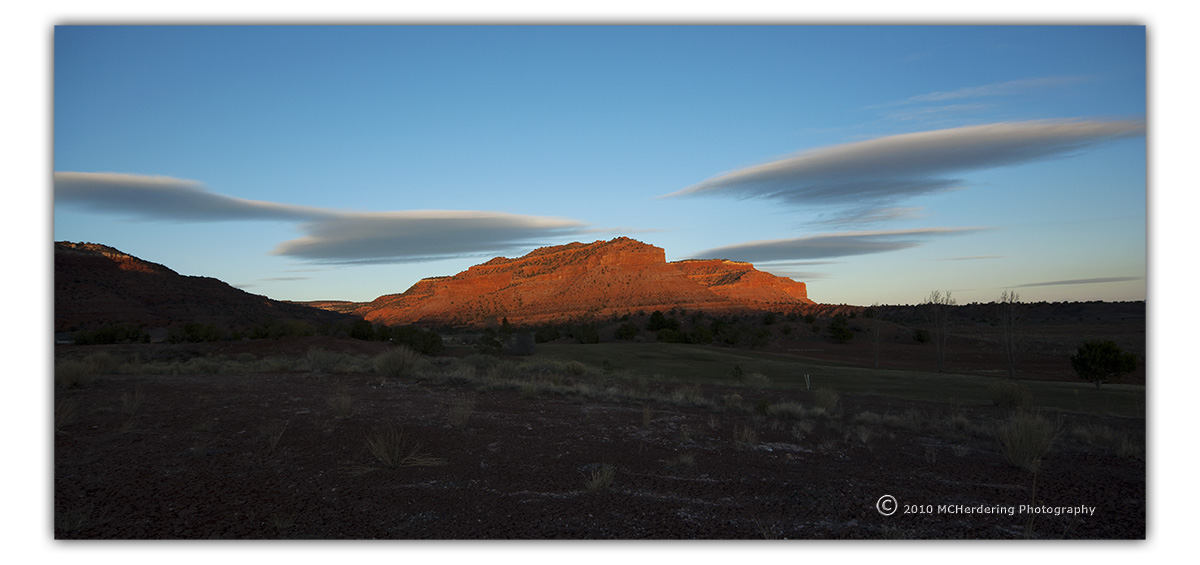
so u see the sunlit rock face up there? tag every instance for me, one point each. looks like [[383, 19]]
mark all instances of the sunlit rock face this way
[[586, 281]]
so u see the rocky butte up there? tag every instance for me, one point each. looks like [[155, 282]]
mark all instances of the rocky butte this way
[[97, 286], [581, 281]]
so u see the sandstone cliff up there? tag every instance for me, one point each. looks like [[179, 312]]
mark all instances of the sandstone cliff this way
[[579, 280]]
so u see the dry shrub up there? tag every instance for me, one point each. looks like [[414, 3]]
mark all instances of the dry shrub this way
[[131, 402], [825, 398], [273, 432], [461, 409], [868, 417], [864, 434], [1009, 394], [687, 396], [1026, 438], [64, 412], [73, 374], [1112, 440], [757, 381], [802, 428], [322, 361], [342, 404], [103, 362], [600, 478], [745, 437], [397, 362], [575, 368], [789, 410], [681, 460], [390, 448], [910, 420], [958, 421]]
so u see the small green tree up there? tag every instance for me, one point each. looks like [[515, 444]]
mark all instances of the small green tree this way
[[839, 329], [521, 344], [546, 333], [1102, 361], [489, 342], [362, 329], [628, 331], [701, 335], [658, 321]]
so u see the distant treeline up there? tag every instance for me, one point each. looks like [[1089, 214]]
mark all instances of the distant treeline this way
[[426, 341]]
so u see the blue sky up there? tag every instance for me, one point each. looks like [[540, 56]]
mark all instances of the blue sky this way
[[875, 163]]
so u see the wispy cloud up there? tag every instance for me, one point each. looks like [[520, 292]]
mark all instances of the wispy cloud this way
[[830, 245], [1081, 281], [867, 178], [168, 198], [331, 236], [803, 276], [1006, 88], [973, 258], [860, 216], [777, 264], [939, 112]]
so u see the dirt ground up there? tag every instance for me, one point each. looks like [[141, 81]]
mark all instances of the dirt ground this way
[[237, 455]]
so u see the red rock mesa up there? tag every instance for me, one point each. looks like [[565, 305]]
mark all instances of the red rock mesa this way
[[582, 281]]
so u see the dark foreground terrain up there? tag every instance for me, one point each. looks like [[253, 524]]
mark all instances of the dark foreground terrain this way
[[291, 439]]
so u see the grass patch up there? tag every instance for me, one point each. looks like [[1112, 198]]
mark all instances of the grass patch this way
[[575, 368], [868, 417], [912, 420], [64, 412], [461, 409], [71, 521], [681, 460], [131, 402], [1026, 438], [273, 432], [757, 381], [801, 429], [695, 364], [103, 362], [322, 361], [342, 404], [74, 374], [600, 479], [283, 522], [1009, 394], [1109, 439], [393, 451], [793, 411], [400, 361], [864, 433], [825, 398], [745, 437]]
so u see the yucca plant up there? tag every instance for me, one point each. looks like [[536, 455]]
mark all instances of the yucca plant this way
[[600, 478], [391, 449]]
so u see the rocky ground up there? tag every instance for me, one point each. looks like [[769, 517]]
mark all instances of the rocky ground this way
[[227, 451]]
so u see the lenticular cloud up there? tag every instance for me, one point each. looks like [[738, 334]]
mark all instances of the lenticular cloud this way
[[829, 246], [879, 172], [332, 236]]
